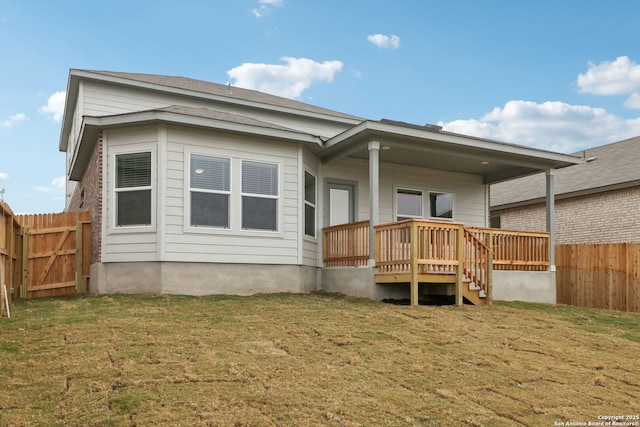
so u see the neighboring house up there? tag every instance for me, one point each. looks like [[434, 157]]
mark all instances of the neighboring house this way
[[201, 188], [597, 201]]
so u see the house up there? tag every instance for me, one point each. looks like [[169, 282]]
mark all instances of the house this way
[[596, 201], [201, 188]]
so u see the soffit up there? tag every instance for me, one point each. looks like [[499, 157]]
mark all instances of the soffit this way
[[433, 149]]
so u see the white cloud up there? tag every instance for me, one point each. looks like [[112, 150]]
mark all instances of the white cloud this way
[[385, 42], [55, 106], [4, 176], [12, 120], [264, 7], [633, 101], [620, 77], [288, 80], [58, 185], [555, 126]]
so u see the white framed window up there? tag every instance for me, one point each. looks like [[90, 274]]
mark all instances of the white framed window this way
[[133, 190], [440, 205], [209, 191], [310, 196], [260, 195], [408, 204]]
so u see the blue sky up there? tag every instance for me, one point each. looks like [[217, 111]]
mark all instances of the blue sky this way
[[562, 75]]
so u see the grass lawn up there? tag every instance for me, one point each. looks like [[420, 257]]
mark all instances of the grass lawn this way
[[272, 360]]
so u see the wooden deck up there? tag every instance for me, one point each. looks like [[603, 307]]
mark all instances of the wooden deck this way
[[444, 253]]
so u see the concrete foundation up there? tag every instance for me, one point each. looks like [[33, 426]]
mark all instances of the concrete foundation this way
[[247, 279], [201, 278], [360, 282], [529, 286]]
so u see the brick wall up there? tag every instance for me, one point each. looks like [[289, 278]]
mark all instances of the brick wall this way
[[87, 196], [609, 217]]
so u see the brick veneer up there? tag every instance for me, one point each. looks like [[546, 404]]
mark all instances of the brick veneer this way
[[87, 196], [607, 217]]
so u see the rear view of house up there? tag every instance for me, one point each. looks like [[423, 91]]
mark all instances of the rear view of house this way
[[201, 188]]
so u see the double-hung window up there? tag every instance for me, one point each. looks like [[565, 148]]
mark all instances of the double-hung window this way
[[408, 204], [133, 189], [260, 195], [210, 190], [309, 204]]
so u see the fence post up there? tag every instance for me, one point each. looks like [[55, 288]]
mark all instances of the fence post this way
[[81, 281], [25, 262]]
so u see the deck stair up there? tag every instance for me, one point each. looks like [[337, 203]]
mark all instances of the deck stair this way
[[433, 253], [472, 292]]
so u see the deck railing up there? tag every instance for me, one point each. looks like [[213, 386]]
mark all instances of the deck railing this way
[[478, 263], [346, 245], [435, 251], [516, 250]]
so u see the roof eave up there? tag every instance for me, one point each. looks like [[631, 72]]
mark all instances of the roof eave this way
[[91, 126], [353, 139]]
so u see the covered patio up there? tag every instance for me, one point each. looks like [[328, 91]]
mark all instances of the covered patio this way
[[448, 254]]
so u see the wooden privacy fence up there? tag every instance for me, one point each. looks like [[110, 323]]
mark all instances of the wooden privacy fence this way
[[10, 256], [599, 275], [56, 254], [43, 255]]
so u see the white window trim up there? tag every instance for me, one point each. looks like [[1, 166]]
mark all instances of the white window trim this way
[[113, 153], [189, 190], [453, 205], [314, 205], [235, 201], [395, 202]]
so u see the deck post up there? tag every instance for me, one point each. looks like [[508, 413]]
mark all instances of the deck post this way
[[374, 196], [550, 202], [460, 266], [415, 301]]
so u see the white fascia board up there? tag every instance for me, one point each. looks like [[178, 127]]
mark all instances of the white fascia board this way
[[451, 138]]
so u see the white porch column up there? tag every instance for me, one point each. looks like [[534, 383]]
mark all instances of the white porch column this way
[[551, 209], [374, 195]]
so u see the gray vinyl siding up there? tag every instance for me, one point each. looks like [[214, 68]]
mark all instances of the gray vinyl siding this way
[[139, 243], [183, 243], [468, 190], [105, 99]]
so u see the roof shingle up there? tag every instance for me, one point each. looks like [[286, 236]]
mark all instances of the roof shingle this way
[[606, 166]]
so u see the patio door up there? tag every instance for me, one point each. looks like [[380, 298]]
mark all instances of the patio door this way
[[341, 203]]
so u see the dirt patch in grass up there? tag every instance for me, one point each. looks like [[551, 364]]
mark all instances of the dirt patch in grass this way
[[272, 360]]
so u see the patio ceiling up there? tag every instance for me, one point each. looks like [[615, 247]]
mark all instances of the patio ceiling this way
[[430, 147]]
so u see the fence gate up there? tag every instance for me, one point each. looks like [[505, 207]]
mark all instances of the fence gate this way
[[55, 253]]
